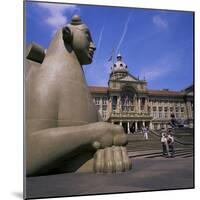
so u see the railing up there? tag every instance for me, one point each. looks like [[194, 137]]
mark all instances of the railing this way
[[130, 114], [158, 134]]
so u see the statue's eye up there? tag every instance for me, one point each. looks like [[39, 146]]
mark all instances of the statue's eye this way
[[88, 36]]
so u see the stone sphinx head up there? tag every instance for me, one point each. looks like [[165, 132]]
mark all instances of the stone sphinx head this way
[[77, 36]]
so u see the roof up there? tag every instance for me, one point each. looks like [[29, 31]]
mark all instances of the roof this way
[[98, 89], [189, 89], [104, 90], [165, 92]]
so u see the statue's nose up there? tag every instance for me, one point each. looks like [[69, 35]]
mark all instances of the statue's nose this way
[[92, 46]]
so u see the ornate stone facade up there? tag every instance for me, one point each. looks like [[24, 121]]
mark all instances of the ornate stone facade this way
[[128, 102]]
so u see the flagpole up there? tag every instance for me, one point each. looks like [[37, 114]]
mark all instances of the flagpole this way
[[113, 56]]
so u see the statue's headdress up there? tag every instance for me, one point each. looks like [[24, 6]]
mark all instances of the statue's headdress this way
[[76, 20]]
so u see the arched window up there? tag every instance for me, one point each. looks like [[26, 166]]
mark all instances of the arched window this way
[[127, 101]]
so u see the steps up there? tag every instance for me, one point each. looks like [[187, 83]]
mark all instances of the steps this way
[[138, 147], [137, 142], [184, 136], [179, 153]]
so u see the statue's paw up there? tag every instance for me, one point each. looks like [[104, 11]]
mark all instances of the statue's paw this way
[[107, 135], [120, 140], [112, 159]]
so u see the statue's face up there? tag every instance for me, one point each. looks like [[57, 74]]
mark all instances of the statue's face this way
[[82, 44]]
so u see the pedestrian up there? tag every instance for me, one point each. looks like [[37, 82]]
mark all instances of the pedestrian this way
[[170, 142], [164, 143], [145, 131]]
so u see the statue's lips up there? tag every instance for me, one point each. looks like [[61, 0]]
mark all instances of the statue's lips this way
[[91, 53]]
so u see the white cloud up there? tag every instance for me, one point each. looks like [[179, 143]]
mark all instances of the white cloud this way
[[55, 15], [56, 20], [160, 22], [155, 72], [158, 70]]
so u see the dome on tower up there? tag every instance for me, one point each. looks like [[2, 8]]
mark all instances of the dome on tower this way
[[119, 66]]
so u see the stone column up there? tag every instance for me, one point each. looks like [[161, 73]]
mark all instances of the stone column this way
[[118, 104], [163, 112], [143, 124], [128, 127], [100, 105], [136, 126], [135, 104], [169, 105], [185, 111], [120, 123], [110, 106], [151, 108], [139, 105], [150, 125], [145, 105], [189, 109]]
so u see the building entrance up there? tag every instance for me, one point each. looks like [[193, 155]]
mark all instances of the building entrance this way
[[125, 127], [132, 127]]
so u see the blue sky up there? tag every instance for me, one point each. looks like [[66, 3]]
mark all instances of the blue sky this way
[[155, 44]]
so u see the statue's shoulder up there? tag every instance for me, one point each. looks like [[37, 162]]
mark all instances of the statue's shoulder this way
[[35, 53]]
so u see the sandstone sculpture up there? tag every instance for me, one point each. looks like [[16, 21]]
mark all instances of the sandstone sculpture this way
[[64, 132]]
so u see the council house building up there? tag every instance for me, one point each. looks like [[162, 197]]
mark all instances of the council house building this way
[[127, 101]]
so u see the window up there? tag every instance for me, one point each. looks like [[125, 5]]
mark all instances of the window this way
[[127, 102], [154, 112], [149, 109], [192, 105], [166, 112], [104, 100], [182, 112], [97, 100], [114, 102], [104, 115], [142, 103], [182, 104], [160, 112], [177, 112]]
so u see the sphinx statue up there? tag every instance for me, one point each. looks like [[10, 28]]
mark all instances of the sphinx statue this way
[[64, 132]]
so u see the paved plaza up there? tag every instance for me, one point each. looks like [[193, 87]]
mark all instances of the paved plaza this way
[[148, 174]]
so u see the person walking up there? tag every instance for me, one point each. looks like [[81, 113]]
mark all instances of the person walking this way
[[164, 143], [170, 142], [145, 131]]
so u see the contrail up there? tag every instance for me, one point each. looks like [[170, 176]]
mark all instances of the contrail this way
[[124, 32], [99, 41]]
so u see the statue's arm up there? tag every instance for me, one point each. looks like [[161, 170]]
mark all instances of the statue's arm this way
[[45, 146]]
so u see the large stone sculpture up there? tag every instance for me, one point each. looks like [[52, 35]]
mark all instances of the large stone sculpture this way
[[64, 132]]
